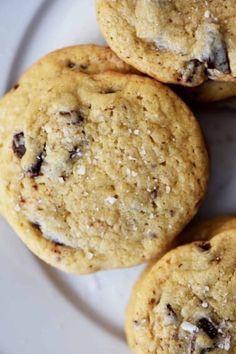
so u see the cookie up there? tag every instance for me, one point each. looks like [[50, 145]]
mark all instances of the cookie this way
[[87, 58], [182, 42], [98, 171], [210, 91], [206, 229], [185, 303]]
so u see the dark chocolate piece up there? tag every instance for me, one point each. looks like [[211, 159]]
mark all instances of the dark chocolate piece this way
[[208, 327], [34, 170], [18, 145]]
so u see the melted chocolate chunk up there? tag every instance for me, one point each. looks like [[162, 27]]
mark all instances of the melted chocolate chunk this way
[[205, 246], [34, 170], [18, 145], [208, 327]]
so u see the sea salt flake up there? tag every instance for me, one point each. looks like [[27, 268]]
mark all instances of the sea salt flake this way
[[89, 255], [225, 345], [131, 173], [205, 305], [131, 158], [142, 151], [61, 180], [111, 200], [81, 170], [189, 327], [17, 207], [207, 14], [168, 189], [136, 131], [206, 289]]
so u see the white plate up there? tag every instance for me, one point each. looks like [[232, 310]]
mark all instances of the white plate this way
[[41, 309]]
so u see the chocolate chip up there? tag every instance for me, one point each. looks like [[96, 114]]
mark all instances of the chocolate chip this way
[[18, 145], [71, 65], [16, 86], [154, 193], [205, 246], [34, 170], [208, 327], [171, 312]]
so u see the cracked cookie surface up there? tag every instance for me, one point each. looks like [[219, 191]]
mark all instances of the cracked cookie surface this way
[[185, 303], [178, 41], [98, 171]]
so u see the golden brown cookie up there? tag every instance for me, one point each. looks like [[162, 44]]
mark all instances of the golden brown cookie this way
[[98, 171], [180, 41], [185, 303]]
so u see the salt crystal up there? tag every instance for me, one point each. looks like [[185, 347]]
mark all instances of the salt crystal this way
[[17, 207], [110, 200], [61, 180], [131, 173], [131, 158], [189, 327], [89, 255], [81, 170], [168, 189], [204, 305], [136, 132]]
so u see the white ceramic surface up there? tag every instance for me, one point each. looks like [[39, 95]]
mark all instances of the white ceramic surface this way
[[41, 309]]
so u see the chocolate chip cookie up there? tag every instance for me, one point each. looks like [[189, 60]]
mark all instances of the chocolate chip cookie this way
[[185, 303], [97, 171], [181, 41], [206, 229]]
